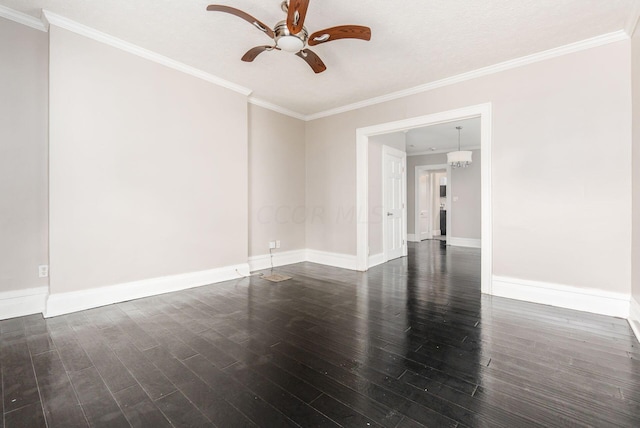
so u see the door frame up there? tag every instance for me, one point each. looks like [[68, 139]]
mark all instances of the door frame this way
[[484, 111], [385, 151], [418, 170]]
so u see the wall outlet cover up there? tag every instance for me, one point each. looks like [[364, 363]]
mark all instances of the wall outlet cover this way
[[43, 271]]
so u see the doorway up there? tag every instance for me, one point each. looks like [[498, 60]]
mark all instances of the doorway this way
[[432, 202], [483, 111]]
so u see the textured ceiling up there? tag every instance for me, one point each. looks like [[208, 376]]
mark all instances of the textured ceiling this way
[[413, 41], [444, 137]]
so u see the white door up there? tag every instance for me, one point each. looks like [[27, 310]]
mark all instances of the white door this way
[[394, 196], [425, 195]]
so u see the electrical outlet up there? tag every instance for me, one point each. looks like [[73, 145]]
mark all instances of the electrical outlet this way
[[272, 245], [43, 271], [277, 244]]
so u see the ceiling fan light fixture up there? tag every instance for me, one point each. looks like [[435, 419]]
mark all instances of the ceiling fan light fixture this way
[[290, 44]]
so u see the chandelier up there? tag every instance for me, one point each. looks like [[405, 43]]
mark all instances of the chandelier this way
[[460, 158]]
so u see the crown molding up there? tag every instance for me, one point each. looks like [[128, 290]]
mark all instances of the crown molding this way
[[496, 68], [632, 21], [22, 18], [273, 107], [51, 18]]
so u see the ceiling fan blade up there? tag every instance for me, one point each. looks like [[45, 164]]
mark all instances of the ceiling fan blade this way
[[313, 60], [296, 14], [254, 52], [240, 14], [341, 32]]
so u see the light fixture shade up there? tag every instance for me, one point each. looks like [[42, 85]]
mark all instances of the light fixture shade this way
[[461, 158], [290, 44]]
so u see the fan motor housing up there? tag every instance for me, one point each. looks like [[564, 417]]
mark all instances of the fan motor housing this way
[[287, 41]]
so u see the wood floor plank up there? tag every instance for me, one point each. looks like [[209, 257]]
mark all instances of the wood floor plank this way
[[29, 416], [59, 399], [139, 409], [97, 402], [19, 382], [252, 407], [297, 410]]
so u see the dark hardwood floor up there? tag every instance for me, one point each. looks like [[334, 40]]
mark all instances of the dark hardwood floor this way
[[410, 343]]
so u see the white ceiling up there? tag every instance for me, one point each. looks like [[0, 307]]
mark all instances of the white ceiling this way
[[414, 42], [444, 137]]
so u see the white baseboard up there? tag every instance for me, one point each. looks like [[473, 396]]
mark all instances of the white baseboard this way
[[563, 296], [36, 300], [634, 317], [279, 259], [376, 259], [64, 303], [411, 237], [465, 242], [437, 232], [22, 302], [425, 235], [345, 261]]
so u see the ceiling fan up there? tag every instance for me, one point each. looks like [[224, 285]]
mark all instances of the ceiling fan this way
[[290, 35]]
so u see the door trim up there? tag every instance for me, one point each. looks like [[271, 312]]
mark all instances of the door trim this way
[[418, 170], [385, 151], [484, 111]]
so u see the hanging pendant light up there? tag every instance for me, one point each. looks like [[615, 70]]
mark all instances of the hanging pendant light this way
[[461, 158]]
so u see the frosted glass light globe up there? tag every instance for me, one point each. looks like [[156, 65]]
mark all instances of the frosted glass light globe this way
[[290, 44]]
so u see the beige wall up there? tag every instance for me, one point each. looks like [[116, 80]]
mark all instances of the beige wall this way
[[635, 72], [396, 141], [465, 200], [552, 123], [23, 155], [148, 168], [276, 181]]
